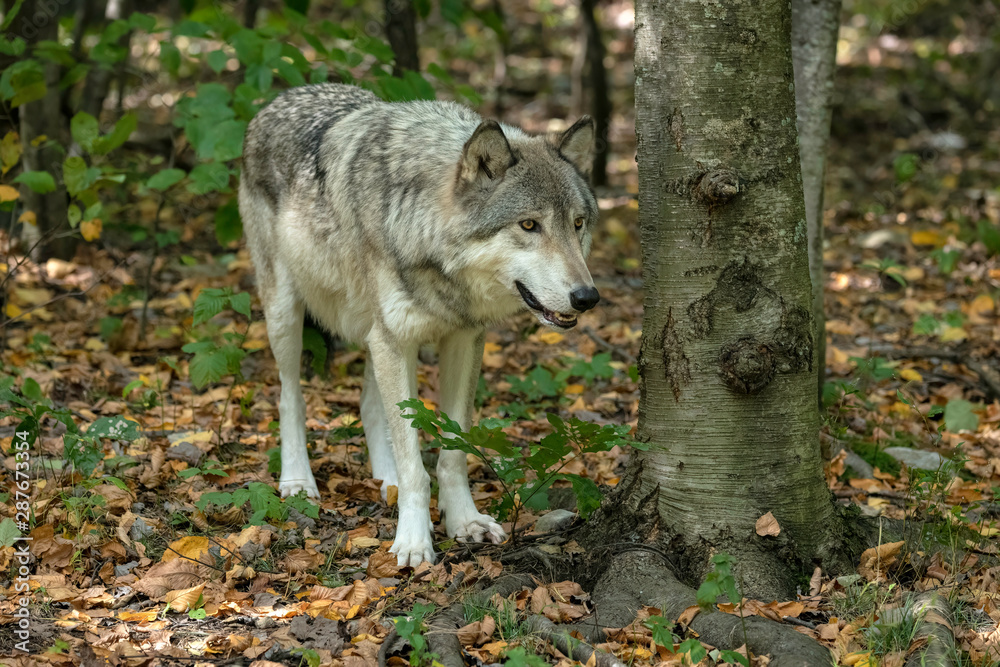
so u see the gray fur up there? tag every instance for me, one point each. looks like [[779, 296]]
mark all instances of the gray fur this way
[[398, 224]]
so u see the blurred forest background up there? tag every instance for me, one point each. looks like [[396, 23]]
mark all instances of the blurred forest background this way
[[126, 295]]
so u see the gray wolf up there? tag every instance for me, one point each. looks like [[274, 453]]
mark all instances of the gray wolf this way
[[399, 224]]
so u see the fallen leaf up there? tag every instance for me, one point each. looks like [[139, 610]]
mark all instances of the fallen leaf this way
[[184, 599]]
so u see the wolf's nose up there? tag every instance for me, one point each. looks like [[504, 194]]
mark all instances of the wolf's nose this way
[[584, 298]]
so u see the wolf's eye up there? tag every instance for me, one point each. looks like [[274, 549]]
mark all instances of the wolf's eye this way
[[578, 223], [529, 225]]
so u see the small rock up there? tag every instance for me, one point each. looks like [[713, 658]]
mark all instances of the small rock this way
[[916, 458], [265, 622], [859, 465], [186, 452], [140, 529], [138, 507], [555, 520], [122, 570], [265, 599]]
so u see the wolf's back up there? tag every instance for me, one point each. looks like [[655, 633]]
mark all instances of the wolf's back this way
[[284, 140]]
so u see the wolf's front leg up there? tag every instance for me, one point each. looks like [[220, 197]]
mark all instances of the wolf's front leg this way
[[461, 355], [395, 366]]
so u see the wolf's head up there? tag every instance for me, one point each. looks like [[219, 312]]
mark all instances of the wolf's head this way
[[533, 212]]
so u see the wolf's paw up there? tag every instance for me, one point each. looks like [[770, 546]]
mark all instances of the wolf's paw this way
[[477, 528], [289, 487], [412, 545]]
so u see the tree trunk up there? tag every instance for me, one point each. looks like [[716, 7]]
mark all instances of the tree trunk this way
[[815, 27], [728, 380], [49, 237], [401, 31], [600, 103]]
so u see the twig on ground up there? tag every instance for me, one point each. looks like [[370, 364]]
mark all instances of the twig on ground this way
[[798, 621], [621, 353], [383, 650]]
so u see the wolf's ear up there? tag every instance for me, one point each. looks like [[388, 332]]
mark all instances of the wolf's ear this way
[[577, 144], [486, 154]]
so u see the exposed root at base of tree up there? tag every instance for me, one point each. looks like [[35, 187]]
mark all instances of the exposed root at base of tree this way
[[934, 634], [642, 578], [578, 650]]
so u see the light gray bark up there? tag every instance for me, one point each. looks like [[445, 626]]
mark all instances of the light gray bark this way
[[727, 363], [815, 27]]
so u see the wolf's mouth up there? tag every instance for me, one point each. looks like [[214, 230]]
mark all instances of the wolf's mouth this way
[[552, 317]]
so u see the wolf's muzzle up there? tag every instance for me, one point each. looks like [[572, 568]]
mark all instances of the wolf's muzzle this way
[[584, 298]]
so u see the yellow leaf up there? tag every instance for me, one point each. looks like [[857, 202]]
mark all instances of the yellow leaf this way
[[927, 237], [550, 337], [911, 375], [8, 193], [10, 151], [981, 309], [191, 547], [184, 599], [574, 389], [13, 311], [95, 345], [39, 140], [491, 348], [28, 218], [952, 334], [366, 542], [855, 659], [91, 229]]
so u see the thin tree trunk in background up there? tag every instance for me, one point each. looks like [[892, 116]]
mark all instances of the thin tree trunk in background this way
[[250, 13], [728, 379], [815, 28], [38, 118], [401, 31], [600, 102]]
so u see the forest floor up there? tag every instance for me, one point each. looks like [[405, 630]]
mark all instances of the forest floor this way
[[127, 568]]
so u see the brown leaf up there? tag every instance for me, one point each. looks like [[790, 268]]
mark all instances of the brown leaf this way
[[877, 560], [477, 633], [382, 564], [816, 581], [184, 599], [767, 526], [491, 568], [688, 615], [168, 576]]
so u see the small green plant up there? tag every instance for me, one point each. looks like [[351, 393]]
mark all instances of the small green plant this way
[[894, 631], [861, 599], [265, 504], [212, 468], [412, 629], [307, 656], [519, 657], [216, 357], [544, 459], [888, 268]]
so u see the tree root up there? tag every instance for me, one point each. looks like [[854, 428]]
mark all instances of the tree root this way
[[934, 634], [641, 577], [571, 646]]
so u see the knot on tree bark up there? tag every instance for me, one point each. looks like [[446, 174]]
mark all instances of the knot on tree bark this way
[[717, 186], [747, 366]]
